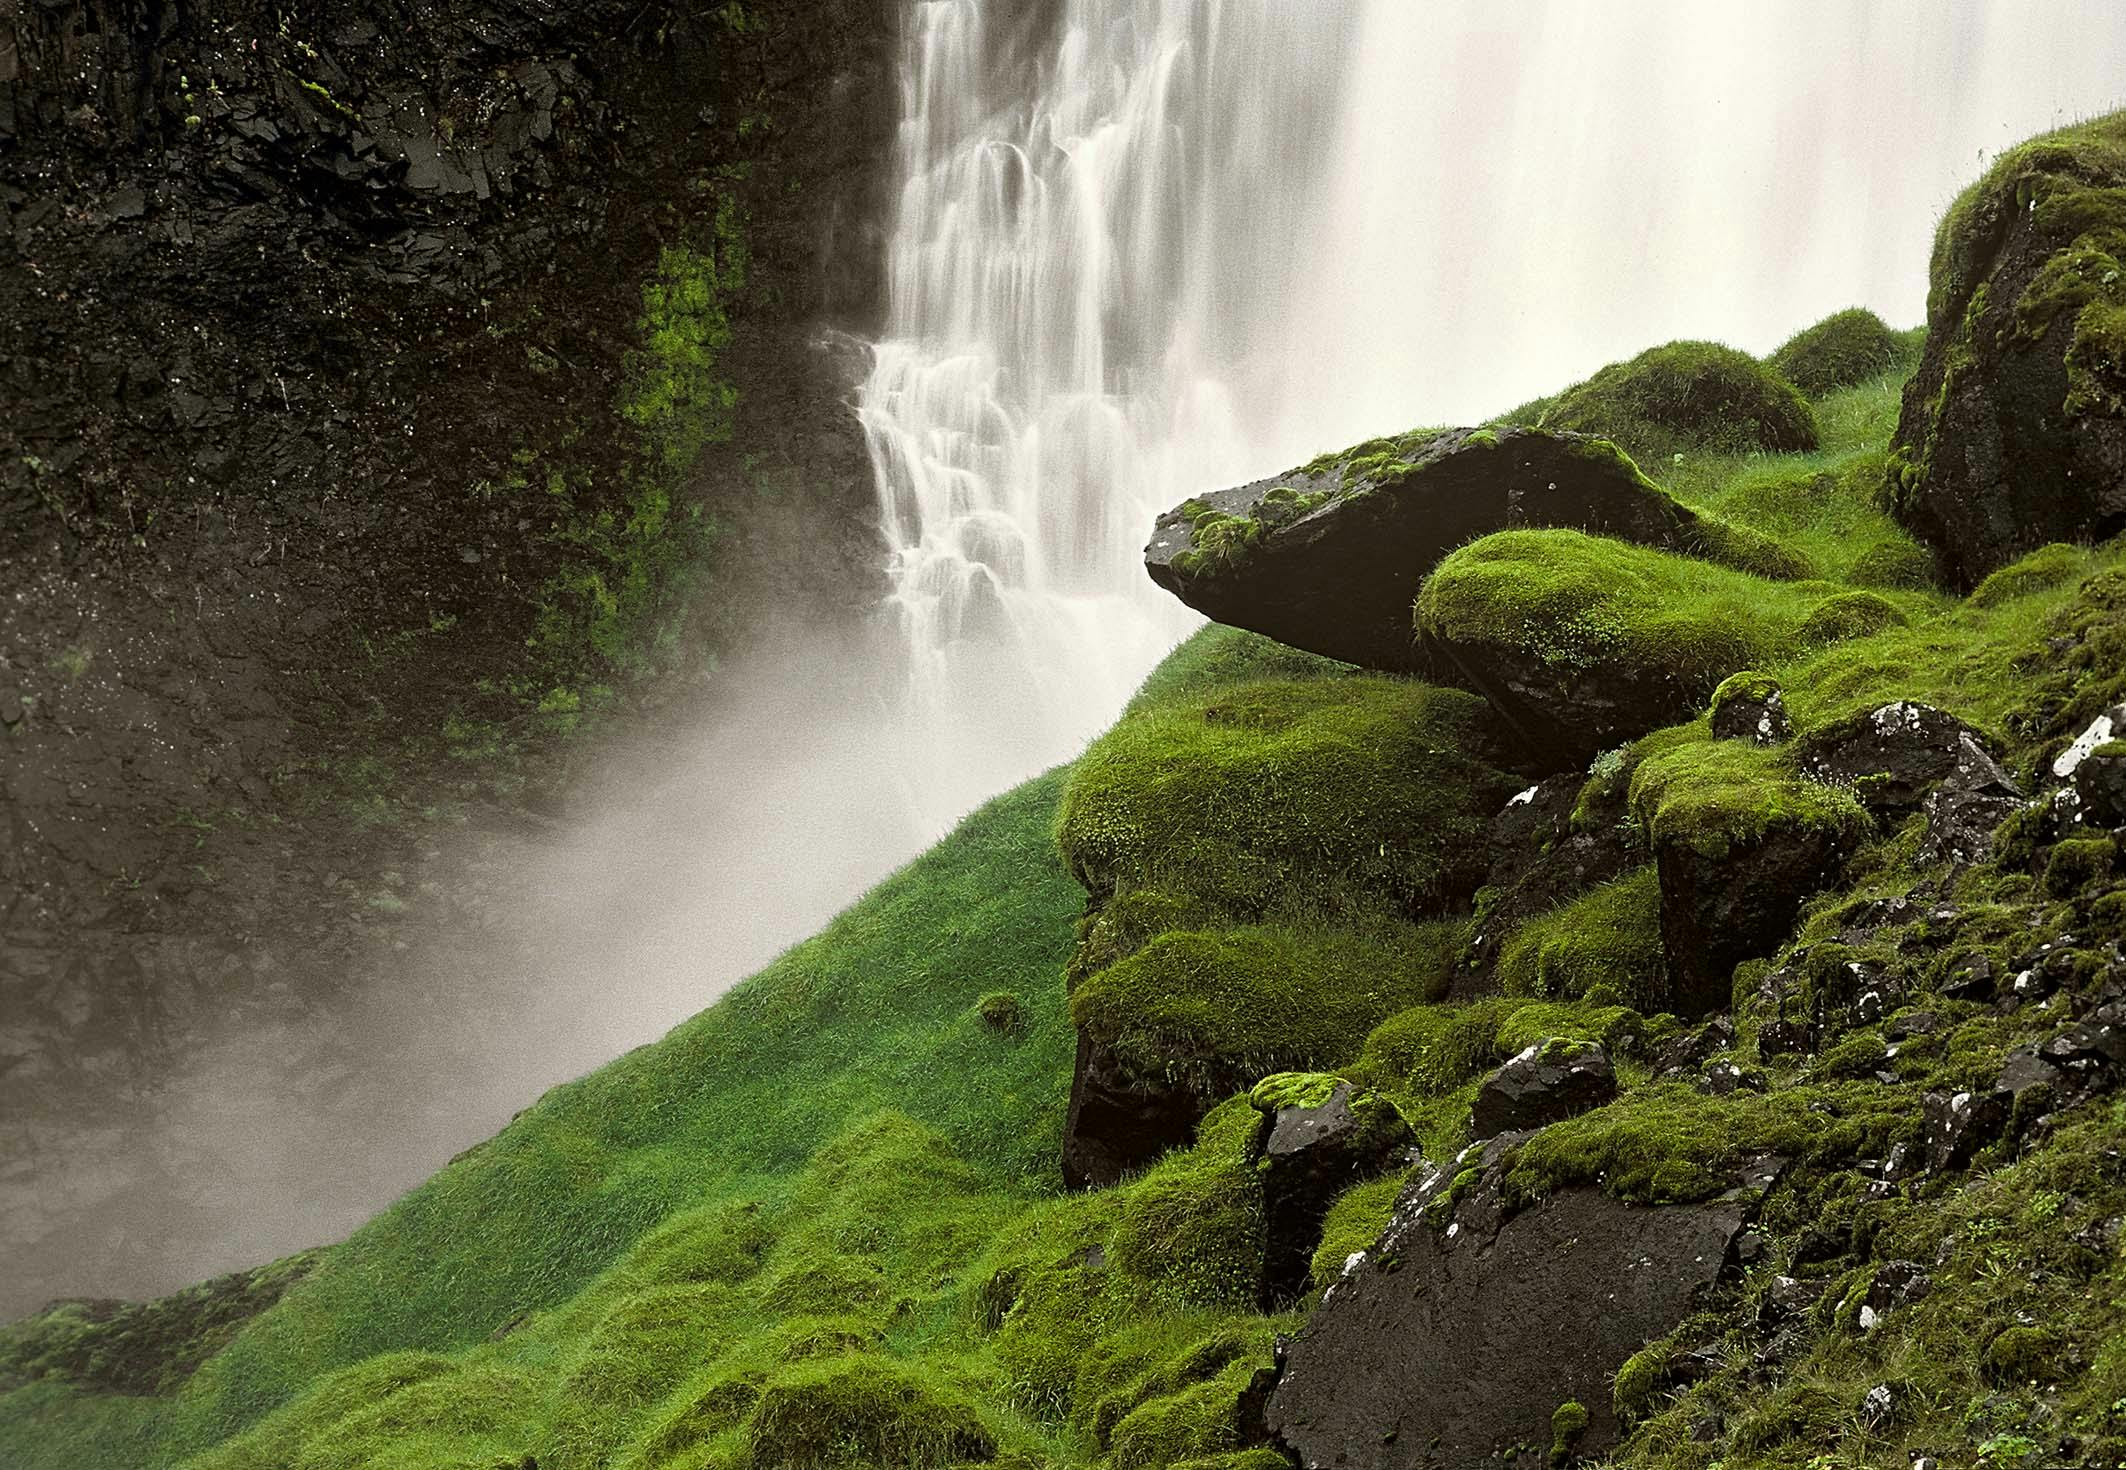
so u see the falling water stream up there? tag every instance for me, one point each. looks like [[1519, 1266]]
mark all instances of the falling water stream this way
[[1141, 248]]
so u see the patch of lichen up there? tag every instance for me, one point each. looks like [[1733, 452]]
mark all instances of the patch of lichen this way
[[1845, 348], [1603, 947], [1352, 797], [1219, 1009], [1370, 460], [1688, 396]]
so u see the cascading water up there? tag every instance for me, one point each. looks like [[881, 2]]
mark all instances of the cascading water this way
[[1092, 252], [1147, 247]]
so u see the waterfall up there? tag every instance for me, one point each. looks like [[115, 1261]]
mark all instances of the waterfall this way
[[1148, 247]]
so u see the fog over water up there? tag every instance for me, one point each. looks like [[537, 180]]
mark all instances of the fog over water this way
[[1142, 249]]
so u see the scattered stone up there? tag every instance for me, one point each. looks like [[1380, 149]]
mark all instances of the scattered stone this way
[[1547, 1083], [1789, 1297], [1450, 1341], [1687, 1055], [1725, 1078], [1896, 1284], [1879, 1406], [1970, 978], [1320, 1135], [1329, 557], [1911, 1024], [1784, 1038], [1749, 706], [1957, 1125]]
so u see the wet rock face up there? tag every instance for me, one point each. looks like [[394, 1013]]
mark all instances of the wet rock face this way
[[2013, 431], [1331, 561], [1547, 1083], [1309, 1155], [1444, 1347]]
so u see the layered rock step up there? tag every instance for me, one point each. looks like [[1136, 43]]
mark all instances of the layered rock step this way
[[1329, 557]]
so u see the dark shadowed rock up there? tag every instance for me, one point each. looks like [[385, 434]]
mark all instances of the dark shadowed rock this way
[[1466, 1326], [1546, 1083], [1118, 1122], [1329, 557], [1538, 861], [1893, 756], [1721, 908], [1320, 1135], [1956, 1125], [2013, 431]]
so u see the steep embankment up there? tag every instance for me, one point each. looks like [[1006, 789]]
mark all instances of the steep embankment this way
[[1741, 1096]]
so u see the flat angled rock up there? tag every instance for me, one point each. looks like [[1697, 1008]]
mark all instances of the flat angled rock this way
[[1329, 557]]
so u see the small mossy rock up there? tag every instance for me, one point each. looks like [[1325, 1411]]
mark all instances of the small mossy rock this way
[[1331, 554], [1845, 348], [1467, 1324], [2100, 786], [1740, 843], [1892, 756], [1320, 1135], [1583, 643], [1540, 858], [1956, 1125], [1547, 1083], [1751, 706], [1688, 394], [2012, 433]]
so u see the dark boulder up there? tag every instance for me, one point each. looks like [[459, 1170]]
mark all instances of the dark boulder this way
[[1546, 1083], [1956, 1125], [1320, 1135], [1329, 557], [1467, 1325], [1539, 859], [1118, 1121], [1893, 756], [2013, 431], [1719, 908], [2095, 762]]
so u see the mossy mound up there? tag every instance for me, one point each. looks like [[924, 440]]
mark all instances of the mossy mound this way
[[1219, 1010], [1688, 395], [1845, 348], [862, 1410], [1349, 797], [1586, 643]]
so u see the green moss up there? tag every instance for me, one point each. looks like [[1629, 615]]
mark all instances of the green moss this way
[[862, 1410], [1217, 657], [1632, 1391], [1346, 796], [1585, 608], [1750, 686], [1002, 1012], [2096, 358], [1603, 946], [1845, 348], [2077, 864], [1353, 1223], [1219, 1009], [1686, 395], [1567, 1423], [2023, 1355], [1714, 795]]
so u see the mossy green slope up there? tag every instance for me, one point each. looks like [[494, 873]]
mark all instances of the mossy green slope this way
[[1687, 395]]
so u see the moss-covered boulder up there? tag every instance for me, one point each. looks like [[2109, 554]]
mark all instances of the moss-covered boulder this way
[[2013, 431], [1327, 557], [1344, 797], [1195, 1016], [1845, 348], [1584, 643], [1740, 843], [1688, 395], [1545, 851]]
